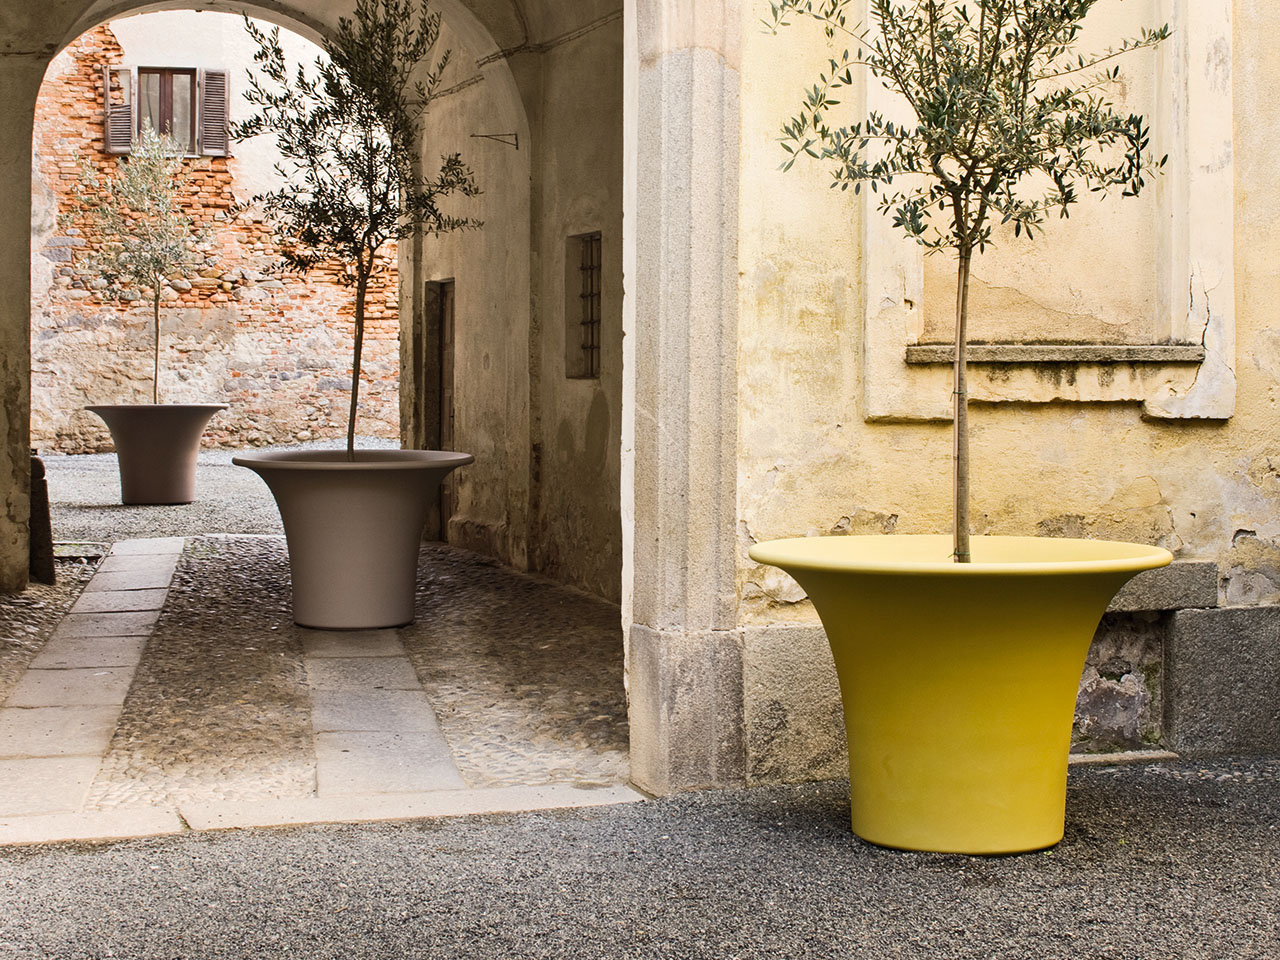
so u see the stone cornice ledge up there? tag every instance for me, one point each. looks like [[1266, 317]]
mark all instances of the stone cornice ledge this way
[[930, 353]]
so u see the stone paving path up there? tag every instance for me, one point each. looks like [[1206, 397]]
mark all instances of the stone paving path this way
[[177, 694], [60, 716]]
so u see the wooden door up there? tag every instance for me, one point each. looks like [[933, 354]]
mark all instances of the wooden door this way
[[448, 490]]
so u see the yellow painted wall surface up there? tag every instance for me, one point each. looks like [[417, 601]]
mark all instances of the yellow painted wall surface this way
[[798, 336], [810, 464], [1102, 292]]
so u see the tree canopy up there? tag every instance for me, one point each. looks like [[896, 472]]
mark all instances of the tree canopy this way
[[1009, 125], [144, 235], [348, 132]]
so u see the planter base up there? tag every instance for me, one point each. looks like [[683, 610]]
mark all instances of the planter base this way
[[156, 448], [959, 681], [353, 529]]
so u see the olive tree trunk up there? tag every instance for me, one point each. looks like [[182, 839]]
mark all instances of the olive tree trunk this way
[[155, 352], [362, 285], [960, 454]]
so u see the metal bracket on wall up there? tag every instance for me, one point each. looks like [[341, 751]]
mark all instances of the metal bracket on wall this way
[[510, 139]]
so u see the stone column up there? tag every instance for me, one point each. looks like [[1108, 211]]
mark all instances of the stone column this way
[[684, 662], [20, 77]]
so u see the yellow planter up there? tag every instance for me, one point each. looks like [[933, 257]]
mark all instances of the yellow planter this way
[[959, 680]]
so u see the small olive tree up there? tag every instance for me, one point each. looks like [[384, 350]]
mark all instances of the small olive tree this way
[[348, 136], [144, 236], [1010, 125]]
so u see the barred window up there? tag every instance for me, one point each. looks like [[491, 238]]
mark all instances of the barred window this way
[[582, 333]]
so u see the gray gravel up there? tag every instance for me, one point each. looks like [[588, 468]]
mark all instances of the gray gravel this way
[[28, 619], [1178, 860], [84, 495], [219, 708], [1167, 861]]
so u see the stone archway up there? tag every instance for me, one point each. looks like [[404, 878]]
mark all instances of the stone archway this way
[[29, 38], [677, 256]]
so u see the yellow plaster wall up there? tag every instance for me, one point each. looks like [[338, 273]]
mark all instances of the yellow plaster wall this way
[[810, 464], [1102, 291]]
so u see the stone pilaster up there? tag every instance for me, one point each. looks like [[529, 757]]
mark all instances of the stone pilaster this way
[[680, 397], [1223, 681], [20, 77]]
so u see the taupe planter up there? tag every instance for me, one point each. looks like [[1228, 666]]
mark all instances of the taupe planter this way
[[353, 529], [156, 448]]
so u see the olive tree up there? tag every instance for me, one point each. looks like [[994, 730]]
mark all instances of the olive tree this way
[[143, 237], [1009, 125], [348, 134]]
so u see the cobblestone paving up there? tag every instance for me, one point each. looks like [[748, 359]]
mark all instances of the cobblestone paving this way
[[28, 618], [219, 708], [525, 677]]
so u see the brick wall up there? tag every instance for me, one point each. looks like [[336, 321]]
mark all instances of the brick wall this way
[[276, 348]]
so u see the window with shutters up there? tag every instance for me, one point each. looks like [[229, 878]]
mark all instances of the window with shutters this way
[[187, 104], [167, 101]]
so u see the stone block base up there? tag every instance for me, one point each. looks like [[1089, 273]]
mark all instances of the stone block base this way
[[1223, 681]]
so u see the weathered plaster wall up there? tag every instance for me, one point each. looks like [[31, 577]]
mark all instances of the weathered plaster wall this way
[[577, 536], [810, 462], [543, 493], [1250, 561], [275, 348], [490, 271], [1103, 293], [213, 40]]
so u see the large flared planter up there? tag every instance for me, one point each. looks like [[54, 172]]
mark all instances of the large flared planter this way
[[156, 448], [959, 681], [353, 529]]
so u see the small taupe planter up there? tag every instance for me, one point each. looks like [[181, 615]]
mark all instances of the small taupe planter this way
[[156, 448], [353, 529]]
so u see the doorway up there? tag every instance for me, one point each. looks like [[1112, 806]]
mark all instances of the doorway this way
[[435, 361]]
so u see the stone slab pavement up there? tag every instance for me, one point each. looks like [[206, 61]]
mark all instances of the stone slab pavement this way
[[70, 769]]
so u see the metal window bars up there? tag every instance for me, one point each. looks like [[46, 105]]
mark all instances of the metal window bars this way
[[590, 297]]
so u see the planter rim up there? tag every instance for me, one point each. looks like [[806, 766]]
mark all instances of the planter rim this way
[[94, 408], [930, 554], [336, 460]]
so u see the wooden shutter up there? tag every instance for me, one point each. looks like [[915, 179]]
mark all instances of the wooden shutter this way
[[119, 94], [214, 105]]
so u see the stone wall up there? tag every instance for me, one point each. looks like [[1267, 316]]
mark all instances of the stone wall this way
[[843, 416], [276, 348], [544, 492]]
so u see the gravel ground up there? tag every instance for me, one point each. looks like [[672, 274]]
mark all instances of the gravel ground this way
[[84, 496], [525, 677], [219, 708], [1159, 862], [28, 619]]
